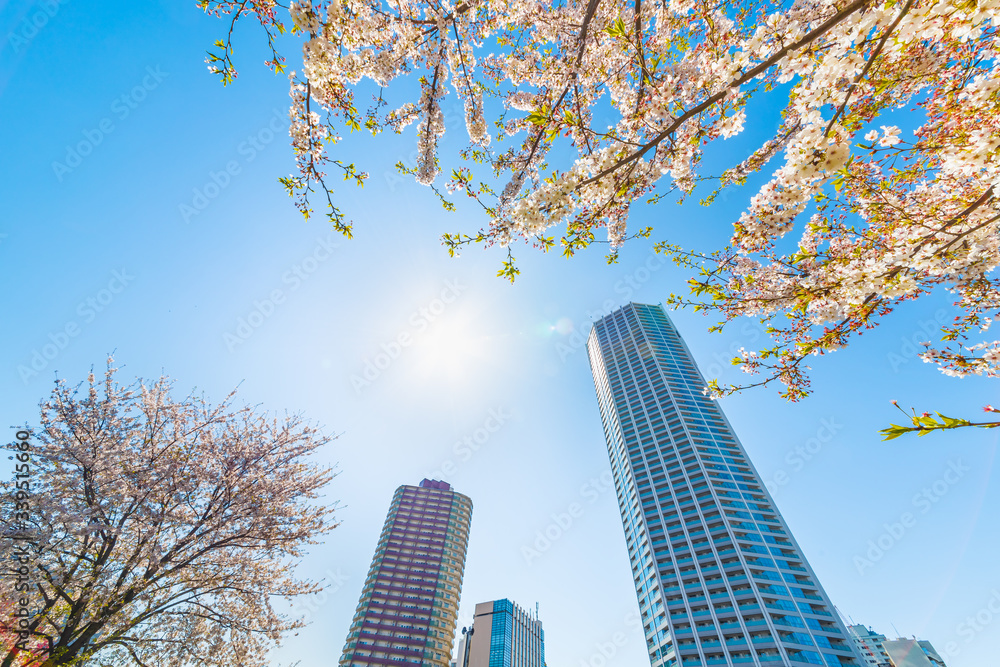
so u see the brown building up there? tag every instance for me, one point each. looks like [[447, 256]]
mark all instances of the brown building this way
[[409, 603]]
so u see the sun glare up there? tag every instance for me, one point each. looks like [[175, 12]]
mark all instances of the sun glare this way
[[452, 348]]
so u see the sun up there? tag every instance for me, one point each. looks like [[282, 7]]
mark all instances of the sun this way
[[453, 347]]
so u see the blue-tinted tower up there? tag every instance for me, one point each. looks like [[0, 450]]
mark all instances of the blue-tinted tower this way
[[502, 635], [719, 577]]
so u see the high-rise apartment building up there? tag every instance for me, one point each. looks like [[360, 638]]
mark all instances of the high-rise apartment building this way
[[719, 577], [502, 635], [409, 603]]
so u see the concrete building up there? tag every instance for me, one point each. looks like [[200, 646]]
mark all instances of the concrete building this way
[[502, 635], [409, 602], [719, 578]]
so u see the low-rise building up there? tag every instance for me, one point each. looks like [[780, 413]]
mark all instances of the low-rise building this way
[[878, 651]]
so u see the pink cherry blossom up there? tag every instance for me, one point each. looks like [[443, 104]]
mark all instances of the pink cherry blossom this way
[[162, 530], [577, 111]]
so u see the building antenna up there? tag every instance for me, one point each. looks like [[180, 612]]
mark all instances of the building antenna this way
[[895, 630], [843, 616]]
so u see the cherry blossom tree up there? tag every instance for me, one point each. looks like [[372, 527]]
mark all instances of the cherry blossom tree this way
[[163, 531], [605, 103]]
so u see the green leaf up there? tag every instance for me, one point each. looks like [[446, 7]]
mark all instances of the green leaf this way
[[951, 422], [538, 117], [894, 431], [617, 29]]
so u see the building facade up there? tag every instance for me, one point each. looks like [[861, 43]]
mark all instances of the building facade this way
[[881, 652], [502, 635], [869, 645], [409, 603], [719, 578]]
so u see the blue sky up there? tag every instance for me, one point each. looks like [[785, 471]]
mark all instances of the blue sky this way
[[100, 255]]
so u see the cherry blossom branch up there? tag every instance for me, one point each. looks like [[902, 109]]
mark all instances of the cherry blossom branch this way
[[925, 423], [742, 79]]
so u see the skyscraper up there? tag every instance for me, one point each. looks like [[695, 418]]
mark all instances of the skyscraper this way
[[502, 635], [409, 603], [719, 577]]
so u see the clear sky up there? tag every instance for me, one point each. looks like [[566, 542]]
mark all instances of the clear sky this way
[[100, 245]]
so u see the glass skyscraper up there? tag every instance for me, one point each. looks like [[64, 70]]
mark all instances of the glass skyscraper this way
[[719, 577], [502, 635], [409, 602]]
